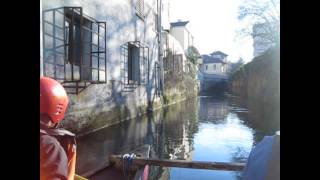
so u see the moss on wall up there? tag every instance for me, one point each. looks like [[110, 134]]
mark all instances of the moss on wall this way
[[112, 110], [179, 88], [258, 82]]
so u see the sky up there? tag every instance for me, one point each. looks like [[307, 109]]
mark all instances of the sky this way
[[214, 23]]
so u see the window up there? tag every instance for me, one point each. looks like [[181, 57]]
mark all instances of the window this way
[[206, 67], [139, 6], [74, 47], [214, 67], [134, 63]]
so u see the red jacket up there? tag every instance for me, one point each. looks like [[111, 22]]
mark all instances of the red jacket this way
[[57, 154]]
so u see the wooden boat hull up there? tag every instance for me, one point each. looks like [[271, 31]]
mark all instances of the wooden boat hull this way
[[78, 177]]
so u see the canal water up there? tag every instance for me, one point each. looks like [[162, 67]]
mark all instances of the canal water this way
[[220, 129]]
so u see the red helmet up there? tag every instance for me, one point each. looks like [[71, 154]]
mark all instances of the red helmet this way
[[53, 99]]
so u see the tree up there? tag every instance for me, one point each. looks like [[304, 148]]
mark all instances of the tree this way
[[235, 66], [262, 14], [193, 54]]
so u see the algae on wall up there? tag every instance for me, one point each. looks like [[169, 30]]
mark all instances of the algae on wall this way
[[258, 82], [179, 88]]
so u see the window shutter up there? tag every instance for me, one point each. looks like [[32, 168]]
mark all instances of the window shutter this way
[[140, 7]]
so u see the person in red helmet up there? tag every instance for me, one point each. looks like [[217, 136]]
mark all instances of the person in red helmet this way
[[57, 145]]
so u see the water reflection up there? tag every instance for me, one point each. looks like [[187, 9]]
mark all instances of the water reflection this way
[[93, 149], [263, 118], [205, 129], [213, 110], [222, 137]]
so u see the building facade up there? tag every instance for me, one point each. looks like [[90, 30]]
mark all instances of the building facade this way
[[213, 71], [106, 55], [180, 31], [215, 63], [174, 56]]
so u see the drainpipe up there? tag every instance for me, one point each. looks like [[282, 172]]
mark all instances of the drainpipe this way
[[159, 8], [41, 50]]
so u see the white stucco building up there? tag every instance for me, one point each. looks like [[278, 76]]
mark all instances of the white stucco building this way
[[215, 63], [105, 53], [180, 30], [176, 60], [213, 71]]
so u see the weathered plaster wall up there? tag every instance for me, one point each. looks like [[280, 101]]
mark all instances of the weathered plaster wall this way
[[105, 104]]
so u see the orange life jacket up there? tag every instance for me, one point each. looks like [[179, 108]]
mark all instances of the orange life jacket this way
[[68, 142]]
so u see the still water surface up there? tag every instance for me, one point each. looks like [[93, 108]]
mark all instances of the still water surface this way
[[205, 129]]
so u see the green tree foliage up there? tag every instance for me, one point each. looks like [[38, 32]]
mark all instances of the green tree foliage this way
[[236, 65], [193, 55]]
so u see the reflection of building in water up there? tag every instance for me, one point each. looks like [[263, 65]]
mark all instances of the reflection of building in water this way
[[183, 150], [178, 144], [168, 132], [174, 132], [213, 110], [261, 117], [179, 129], [120, 138]]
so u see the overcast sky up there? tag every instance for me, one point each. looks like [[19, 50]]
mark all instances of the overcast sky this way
[[213, 24]]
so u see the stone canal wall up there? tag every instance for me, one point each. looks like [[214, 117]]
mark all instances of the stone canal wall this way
[[98, 107], [86, 115], [179, 88], [258, 83]]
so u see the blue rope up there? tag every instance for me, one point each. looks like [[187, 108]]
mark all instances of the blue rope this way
[[124, 164]]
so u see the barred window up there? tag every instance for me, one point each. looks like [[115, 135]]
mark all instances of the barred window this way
[[134, 63], [74, 47]]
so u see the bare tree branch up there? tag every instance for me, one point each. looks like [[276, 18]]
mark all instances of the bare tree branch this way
[[266, 14]]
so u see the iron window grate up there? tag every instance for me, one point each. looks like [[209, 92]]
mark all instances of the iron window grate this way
[[74, 47], [138, 74]]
